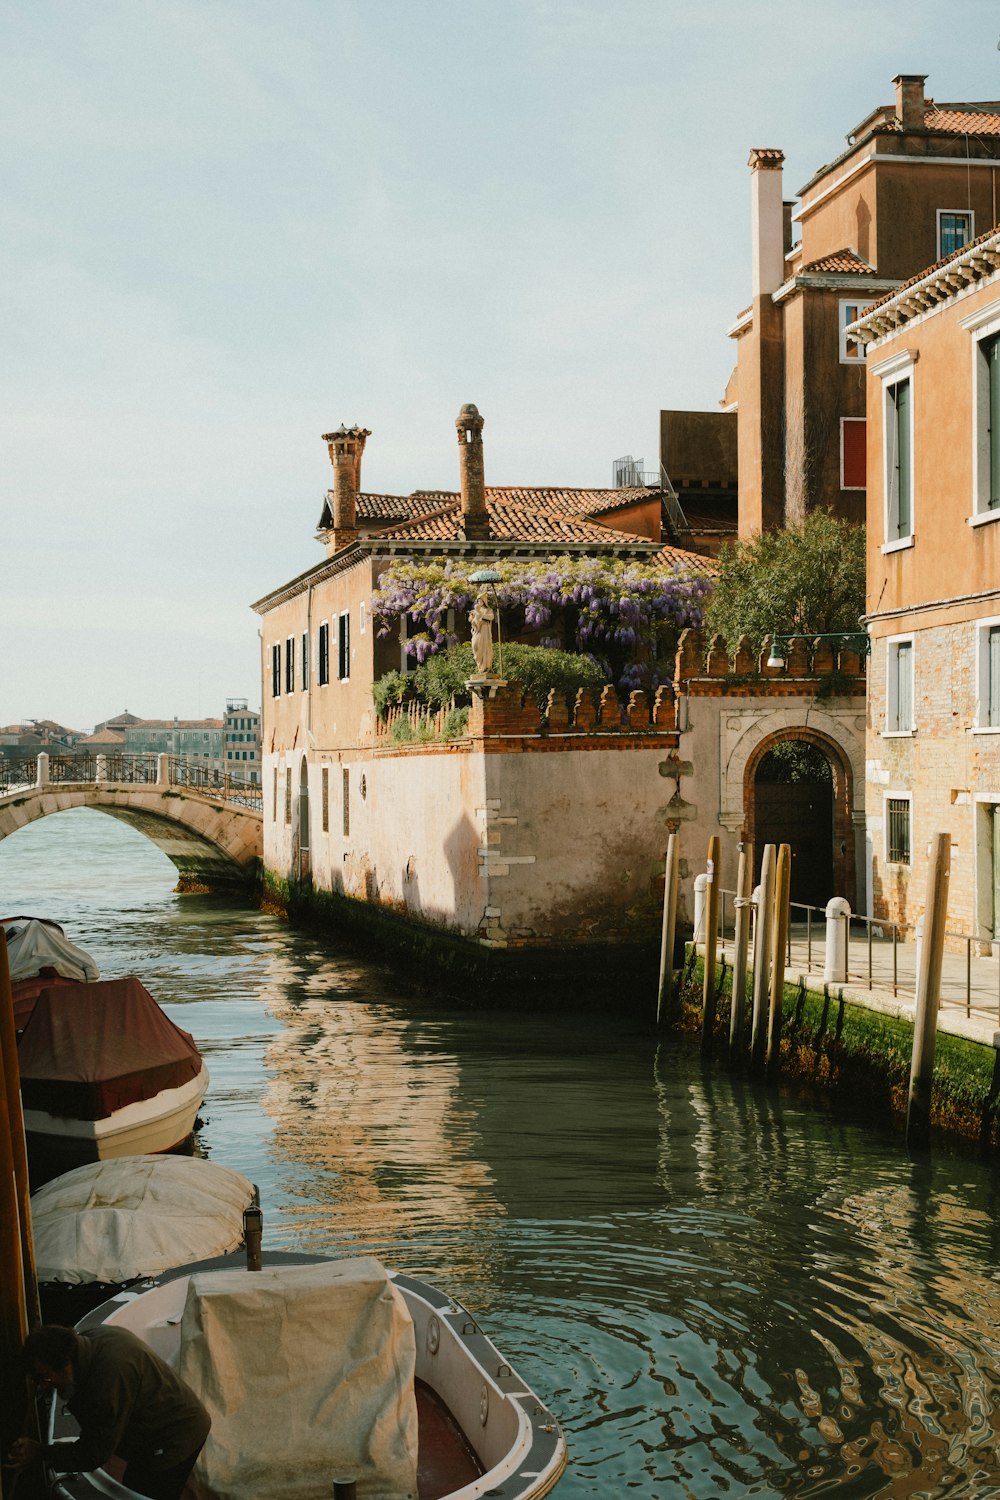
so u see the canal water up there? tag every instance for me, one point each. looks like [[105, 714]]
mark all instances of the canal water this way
[[719, 1291]]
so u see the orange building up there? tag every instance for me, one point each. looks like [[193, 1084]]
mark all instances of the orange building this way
[[933, 752], [917, 182]]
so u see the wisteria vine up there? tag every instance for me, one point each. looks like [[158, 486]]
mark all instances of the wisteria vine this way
[[623, 615]]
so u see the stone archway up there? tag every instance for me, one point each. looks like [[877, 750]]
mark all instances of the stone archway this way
[[835, 805]]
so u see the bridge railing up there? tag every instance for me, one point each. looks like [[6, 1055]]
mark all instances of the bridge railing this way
[[149, 769], [202, 778]]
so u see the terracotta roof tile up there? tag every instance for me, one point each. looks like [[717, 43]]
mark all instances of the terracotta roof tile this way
[[687, 562], [929, 270], [961, 119], [840, 260], [519, 515]]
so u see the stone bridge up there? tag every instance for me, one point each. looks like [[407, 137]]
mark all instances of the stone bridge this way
[[209, 825]]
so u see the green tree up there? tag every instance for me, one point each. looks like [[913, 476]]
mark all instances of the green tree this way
[[808, 580]]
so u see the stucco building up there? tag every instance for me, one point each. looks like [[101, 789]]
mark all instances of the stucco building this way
[[933, 756], [419, 829], [916, 182]]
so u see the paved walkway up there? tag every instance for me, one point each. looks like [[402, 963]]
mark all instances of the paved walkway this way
[[970, 984]]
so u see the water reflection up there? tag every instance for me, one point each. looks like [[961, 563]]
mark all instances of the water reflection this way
[[722, 1292]]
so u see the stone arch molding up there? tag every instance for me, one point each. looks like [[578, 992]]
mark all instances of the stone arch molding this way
[[745, 735], [211, 844]]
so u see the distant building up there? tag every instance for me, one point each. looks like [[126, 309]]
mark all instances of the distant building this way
[[32, 736], [241, 737], [198, 740]]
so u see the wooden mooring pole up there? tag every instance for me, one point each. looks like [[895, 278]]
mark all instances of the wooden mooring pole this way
[[741, 945], [918, 1109], [665, 995], [711, 933], [762, 958], [779, 943], [18, 1286]]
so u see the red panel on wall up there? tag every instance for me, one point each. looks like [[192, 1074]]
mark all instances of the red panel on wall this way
[[853, 447]]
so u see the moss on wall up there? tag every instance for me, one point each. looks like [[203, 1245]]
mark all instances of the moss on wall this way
[[860, 1059], [435, 958]]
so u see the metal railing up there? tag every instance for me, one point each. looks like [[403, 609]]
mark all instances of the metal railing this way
[[24, 774], [870, 939]]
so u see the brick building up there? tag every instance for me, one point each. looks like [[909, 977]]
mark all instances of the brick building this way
[[933, 400]]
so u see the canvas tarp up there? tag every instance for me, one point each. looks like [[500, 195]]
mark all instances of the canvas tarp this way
[[132, 1216], [93, 1048], [307, 1372], [39, 955], [33, 945]]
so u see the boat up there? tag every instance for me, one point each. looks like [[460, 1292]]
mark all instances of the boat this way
[[104, 1071], [39, 954], [111, 1225], [324, 1372]]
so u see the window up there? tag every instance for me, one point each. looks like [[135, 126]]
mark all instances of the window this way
[[899, 687], [344, 646], [851, 352], [955, 230], [987, 676], [275, 671], [346, 791], [288, 796], [896, 373], [853, 453], [899, 466], [897, 830], [323, 655], [290, 665], [325, 793], [274, 805], [984, 325], [305, 662]]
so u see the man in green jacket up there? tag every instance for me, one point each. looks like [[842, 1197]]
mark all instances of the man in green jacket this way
[[127, 1401]]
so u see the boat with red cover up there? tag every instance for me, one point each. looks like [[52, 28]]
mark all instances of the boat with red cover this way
[[104, 1071]]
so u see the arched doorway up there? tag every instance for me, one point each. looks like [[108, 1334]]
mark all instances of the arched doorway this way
[[304, 865], [797, 792]]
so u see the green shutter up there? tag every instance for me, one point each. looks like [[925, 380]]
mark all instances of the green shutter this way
[[993, 361], [904, 505]]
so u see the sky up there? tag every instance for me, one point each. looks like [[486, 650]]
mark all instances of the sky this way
[[228, 226]]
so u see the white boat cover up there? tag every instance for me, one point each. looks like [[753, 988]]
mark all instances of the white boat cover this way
[[136, 1216], [33, 945], [307, 1372]]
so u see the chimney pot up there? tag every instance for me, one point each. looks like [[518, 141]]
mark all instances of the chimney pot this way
[[910, 100], [346, 446], [767, 220], [475, 516]]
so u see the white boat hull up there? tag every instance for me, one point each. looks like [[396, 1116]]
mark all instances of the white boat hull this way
[[144, 1128], [517, 1441]]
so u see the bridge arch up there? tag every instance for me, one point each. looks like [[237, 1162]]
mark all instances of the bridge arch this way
[[212, 844]]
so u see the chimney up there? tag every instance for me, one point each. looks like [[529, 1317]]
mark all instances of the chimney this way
[[767, 221], [475, 517], [346, 446], [910, 100]]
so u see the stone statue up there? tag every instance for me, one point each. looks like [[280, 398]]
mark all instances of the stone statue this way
[[482, 618]]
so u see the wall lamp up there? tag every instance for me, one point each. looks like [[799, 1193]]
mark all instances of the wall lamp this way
[[840, 640]]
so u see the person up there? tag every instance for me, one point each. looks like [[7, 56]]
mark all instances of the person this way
[[126, 1400]]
